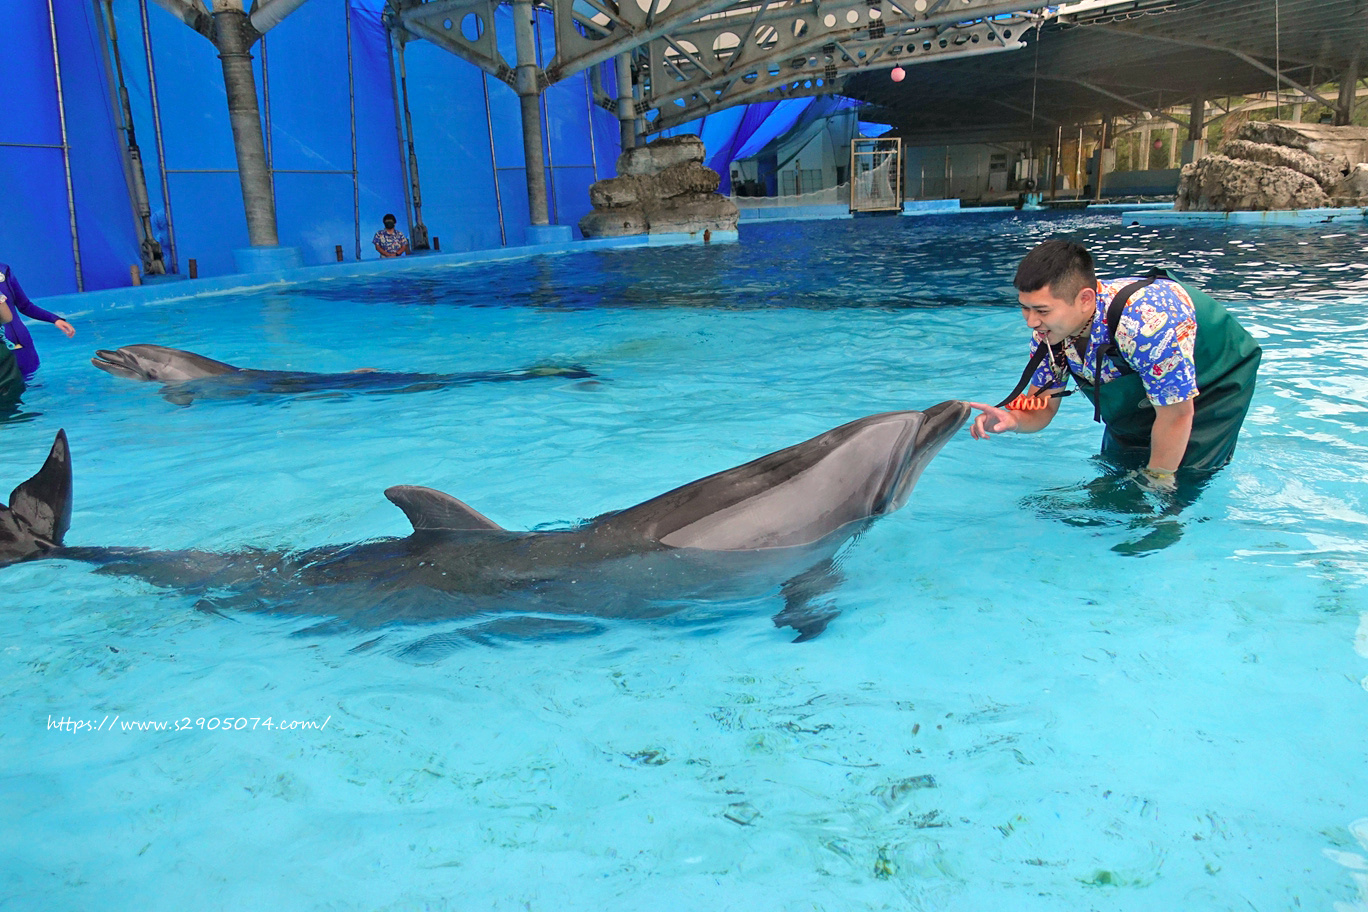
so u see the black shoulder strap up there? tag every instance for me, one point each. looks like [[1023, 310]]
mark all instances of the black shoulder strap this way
[[1123, 297], [1108, 349], [1036, 357]]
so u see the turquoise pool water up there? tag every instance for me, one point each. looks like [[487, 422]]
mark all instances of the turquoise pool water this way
[[1011, 711]]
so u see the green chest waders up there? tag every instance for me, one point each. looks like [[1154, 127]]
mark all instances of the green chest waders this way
[[11, 379], [1227, 359]]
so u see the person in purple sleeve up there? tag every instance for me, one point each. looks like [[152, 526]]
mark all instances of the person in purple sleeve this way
[[11, 380], [16, 334]]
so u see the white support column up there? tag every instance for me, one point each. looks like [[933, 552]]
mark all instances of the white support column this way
[[233, 36], [626, 110]]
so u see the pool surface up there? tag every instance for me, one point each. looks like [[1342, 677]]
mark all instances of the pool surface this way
[[1027, 701]]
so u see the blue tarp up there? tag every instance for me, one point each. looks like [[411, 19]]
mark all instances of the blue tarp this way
[[39, 204], [741, 132], [334, 140]]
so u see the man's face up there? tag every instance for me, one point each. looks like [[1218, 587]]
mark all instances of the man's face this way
[[389, 224], [1056, 318]]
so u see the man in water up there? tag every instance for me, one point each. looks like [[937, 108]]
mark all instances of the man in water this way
[[16, 334], [1169, 371], [390, 242]]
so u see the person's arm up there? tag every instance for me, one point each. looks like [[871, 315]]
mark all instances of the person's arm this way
[[1167, 370], [6, 315], [1169, 436], [33, 311], [26, 307], [996, 420]]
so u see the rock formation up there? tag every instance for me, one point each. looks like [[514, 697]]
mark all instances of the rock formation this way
[[661, 188], [1280, 165]]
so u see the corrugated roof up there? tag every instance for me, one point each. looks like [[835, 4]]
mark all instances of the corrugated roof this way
[[1119, 64]]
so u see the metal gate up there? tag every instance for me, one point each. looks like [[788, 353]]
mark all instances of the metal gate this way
[[876, 175]]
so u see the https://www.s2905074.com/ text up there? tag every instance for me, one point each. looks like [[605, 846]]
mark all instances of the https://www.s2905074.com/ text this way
[[75, 725]]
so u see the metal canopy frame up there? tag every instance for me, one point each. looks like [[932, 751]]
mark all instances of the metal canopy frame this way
[[1093, 59], [690, 57]]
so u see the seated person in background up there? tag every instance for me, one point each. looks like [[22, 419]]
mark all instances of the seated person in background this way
[[16, 333], [390, 242]]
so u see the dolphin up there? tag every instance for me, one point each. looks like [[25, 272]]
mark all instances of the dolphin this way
[[39, 510], [187, 376], [771, 526]]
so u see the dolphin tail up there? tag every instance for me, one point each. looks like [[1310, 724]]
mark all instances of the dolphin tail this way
[[431, 510], [43, 503]]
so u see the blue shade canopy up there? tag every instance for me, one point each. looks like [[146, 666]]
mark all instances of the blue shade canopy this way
[[740, 132]]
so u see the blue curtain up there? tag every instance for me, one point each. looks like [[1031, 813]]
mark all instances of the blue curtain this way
[[740, 132], [328, 103], [36, 235]]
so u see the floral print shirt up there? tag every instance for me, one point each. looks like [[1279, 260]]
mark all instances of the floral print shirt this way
[[1156, 336], [390, 240]]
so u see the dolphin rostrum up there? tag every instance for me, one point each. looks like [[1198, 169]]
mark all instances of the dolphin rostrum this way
[[773, 525], [187, 376]]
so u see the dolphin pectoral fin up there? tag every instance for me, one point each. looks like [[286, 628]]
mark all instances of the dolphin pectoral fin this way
[[808, 619], [801, 610], [43, 503], [431, 510], [177, 394]]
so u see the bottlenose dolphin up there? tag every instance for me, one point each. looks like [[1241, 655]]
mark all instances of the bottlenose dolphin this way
[[773, 525], [39, 510], [187, 376]]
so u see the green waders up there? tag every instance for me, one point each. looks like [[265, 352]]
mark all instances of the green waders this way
[[11, 379], [1227, 359]]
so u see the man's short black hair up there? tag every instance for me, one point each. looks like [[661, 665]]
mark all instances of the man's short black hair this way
[[1066, 267], [389, 217]]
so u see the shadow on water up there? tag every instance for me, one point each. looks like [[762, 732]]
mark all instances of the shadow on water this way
[[1121, 496], [11, 411]]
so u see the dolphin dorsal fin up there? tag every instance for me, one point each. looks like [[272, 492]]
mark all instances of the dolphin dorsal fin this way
[[431, 510], [44, 501]]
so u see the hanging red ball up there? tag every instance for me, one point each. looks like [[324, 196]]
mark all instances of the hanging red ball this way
[[898, 74]]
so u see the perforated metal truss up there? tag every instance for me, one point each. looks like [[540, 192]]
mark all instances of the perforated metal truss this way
[[774, 50], [690, 57]]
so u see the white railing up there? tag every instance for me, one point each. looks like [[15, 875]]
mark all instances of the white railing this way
[[827, 196]]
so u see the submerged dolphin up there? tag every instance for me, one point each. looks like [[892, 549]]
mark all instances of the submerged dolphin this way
[[187, 376], [773, 524]]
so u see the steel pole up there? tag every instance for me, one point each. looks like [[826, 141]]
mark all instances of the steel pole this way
[[525, 83], [233, 36], [66, 152], [418, 233], [626, 109], [157, 132], [1344, 110]]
